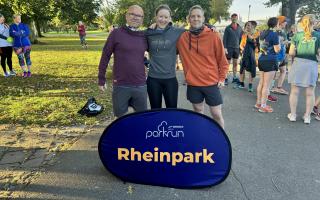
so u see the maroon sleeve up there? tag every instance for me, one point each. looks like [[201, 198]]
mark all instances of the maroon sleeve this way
[[105, 58]]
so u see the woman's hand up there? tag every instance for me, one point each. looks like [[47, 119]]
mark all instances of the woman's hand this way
[[153, 26], [292, 50]]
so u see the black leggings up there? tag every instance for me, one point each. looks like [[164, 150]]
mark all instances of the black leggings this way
[[6, 55], [166, 87]]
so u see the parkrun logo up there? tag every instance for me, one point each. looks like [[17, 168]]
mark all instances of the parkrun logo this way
[[169, 157], [184, 149], [165, 131]]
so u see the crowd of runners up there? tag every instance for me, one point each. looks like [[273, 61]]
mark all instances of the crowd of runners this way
[[205, 57]]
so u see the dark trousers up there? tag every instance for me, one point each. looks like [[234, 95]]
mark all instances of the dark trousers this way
[[6, 56], [166, 87]]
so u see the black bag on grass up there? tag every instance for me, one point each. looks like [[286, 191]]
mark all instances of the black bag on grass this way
[[91, 108]]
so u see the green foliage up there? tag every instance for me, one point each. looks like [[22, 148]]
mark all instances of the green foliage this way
[[181, 8], [73, 11], [220, 9], [62, 12], [262, 27], [109, 14], [214, 9], [289, 8], [312, 7], [6, 11], [64, 77]]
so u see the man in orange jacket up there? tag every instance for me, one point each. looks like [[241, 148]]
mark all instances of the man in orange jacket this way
[[204, 63]]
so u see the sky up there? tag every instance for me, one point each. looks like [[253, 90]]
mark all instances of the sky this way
[[258, 9]]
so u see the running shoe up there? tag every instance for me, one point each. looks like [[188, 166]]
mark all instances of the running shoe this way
[[272, 98], [306, 119], [235, 80], [257, 105], [241, 86], [292, 117], [6, 74], [266, 109], [13, 73], [318, 116], [315, 110], [226, 82], [25, 74], [278, 90]]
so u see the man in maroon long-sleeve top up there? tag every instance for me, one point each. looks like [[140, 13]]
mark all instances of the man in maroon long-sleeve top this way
[[128, 45]]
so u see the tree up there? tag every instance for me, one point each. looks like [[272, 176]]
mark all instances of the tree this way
[[312, 7], [289, 7], [220, 9], [7, 11], [214, 9], [41, 11], [181, 8], [108, 12], [22, 7], [73, 11]]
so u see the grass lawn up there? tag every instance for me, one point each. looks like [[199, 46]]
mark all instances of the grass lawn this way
[[64, 77]]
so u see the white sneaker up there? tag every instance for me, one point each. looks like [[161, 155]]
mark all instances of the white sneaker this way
[[307, 119], [6, 74], [292, 117], [13, 73]]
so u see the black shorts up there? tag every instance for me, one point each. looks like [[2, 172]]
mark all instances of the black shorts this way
[[233, 53], [212, 95], [284, 62], [268, 65]]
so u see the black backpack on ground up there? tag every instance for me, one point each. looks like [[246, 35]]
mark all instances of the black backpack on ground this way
[[91, 108]]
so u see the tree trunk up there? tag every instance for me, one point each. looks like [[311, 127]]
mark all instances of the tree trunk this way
[[285, 8], [33, 33], [293, 10], [38, 28]]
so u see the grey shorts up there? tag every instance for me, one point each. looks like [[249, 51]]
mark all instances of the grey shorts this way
[[212, 95], [125, 96]]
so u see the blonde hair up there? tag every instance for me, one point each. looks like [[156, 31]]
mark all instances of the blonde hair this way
[[16, 15], [195, 7], [163, 7], [306, 23]]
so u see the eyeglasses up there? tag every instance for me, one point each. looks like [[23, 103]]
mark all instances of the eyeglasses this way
[[135, 15]]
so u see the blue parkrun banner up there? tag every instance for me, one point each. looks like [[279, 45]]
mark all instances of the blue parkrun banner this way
[[167, 147]]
